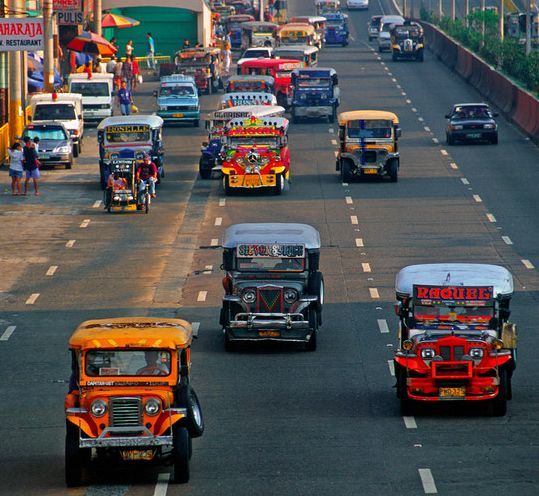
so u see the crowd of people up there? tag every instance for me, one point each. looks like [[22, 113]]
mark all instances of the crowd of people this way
[[24, 160]]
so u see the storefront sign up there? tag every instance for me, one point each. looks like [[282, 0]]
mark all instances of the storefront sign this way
[[21, 35], [69, 12]]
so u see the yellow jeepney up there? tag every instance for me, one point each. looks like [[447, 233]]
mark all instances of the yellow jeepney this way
[[297, 34]]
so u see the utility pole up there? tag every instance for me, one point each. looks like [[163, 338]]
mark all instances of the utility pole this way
[[440, 9], [453, 10], [501, 16], [466, 11], [48, 48], [482, 22], [16, 121], [405, 8], [528, 27], [98, 6], [261, 10]]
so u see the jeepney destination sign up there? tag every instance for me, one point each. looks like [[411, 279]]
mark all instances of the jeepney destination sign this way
[[21, 35], [459, 295], [270, 250]]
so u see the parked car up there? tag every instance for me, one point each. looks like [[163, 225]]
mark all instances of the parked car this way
[[471, 122], [55, 143]]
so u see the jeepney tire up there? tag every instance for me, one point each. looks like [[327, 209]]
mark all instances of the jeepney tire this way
[[75, 457], [370, 38], [345, 171], [75, 150], [331, 118], [229, 344], [494, 141], [394, 57], [420, 57], [498, 406], [295, 118], [188, 399], [393, 171], [279, 184], [180, 454], [311, 345], [226, 185], [69, 165], [196, 123], [449, 139]]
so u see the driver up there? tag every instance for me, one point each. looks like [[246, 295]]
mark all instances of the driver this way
[[152, 367], [146, 174]]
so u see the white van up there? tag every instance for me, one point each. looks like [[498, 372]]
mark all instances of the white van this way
[[384, 35], [61, 107], [97, 98]]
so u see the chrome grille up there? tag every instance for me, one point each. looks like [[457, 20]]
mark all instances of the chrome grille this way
[[125, 412], [178, 107], [445, 352]]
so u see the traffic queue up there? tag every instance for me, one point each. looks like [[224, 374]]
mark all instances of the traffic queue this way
[[132, 396]]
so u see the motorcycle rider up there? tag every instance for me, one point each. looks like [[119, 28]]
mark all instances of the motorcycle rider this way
[[146, 174]]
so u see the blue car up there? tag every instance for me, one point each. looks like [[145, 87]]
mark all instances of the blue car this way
[[336, 29], [177, 99]]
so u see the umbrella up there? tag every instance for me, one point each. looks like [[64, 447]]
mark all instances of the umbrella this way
[[89, 42], [118, 21]]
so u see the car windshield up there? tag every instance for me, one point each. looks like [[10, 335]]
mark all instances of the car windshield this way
[[177, 90], [375, 22], [334, 23], [470, 315], [314, 83], [48, 133], [471, 112], [369, 129], [270, 264], [255, 53], [387, 27], [155, 362], [250, 141], [90, 89], [54, 112], [128, 134]]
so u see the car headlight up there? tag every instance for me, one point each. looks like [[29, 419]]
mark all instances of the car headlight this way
[[476, 353], [290, 295], [428, 353], [162, 107], [62, 149], [98, 408], [456, 127], [249, 296], [152, 406], [489, 126]]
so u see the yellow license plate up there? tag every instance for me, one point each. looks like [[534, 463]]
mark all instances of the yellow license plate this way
[[370, 171], [137, 454], [452, 393], [177, 115], [251, 181], [269, 334]]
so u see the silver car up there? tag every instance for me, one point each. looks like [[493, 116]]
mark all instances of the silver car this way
[[55, 146]]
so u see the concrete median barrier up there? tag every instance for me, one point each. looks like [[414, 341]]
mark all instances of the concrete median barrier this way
[[464, 62]]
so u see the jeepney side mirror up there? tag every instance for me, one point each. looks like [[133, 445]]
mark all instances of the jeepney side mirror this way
[[100, 138], [398, 132], [228, 259], [205, 143], [155, 93], [335, 80], [398, 309]]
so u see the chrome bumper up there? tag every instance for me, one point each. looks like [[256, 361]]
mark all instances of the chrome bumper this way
[[269, 321]]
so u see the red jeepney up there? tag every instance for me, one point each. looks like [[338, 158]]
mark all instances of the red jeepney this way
[[279, 69], [456, 343], [257, 154], [205, 65]]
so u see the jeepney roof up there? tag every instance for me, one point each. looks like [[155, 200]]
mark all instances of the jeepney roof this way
[[192, 53], [248, 98], [259, 122], [266, 62], [245, 111], [271, 232], [455, 274], [308, 19], [324, 2], [297, 26], [357, 115], [132, 332], [271, 26], [251, 77], [336, 16], [154, 121], [240, 18], [305, 49], [177, 78], [314, 72]]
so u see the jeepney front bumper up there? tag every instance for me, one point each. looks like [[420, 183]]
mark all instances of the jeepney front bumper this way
[[252, 181], [313, 111], [375, 162]]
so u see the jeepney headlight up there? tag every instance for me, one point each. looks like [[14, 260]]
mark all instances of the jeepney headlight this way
[[139, 155], [456, 127], [249, 296], [497, 344], [152, 406], [476, 353], [428, 353], [407, 345], [489, 126], [302, 96], [114, 156], [116, 198], [324, 96], [162, 107], [290, 295], [98, 408]]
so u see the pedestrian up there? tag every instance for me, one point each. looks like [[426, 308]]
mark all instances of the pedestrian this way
[[150, 52], [99, 65], [118, 74], [16, 169], [31, 165], [36, 143], [137, 76], [125, 99], [114, 42], [129, 48], [127, 72], [111, 64], [186, 44], [227, 58]]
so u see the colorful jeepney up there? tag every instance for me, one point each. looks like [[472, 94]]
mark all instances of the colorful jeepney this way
[[242, 84], [306, 54], [229, 100], [298, 34], [317, 22], [257, 154], [337, 31], [324, 6], [203, 64], [258, 34], [455, 339], [233, 25], [279, 69]]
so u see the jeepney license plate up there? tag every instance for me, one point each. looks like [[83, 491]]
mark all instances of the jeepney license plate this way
[[370, 171], [251, 181], [473, 135], [177, 115], [137, 454], [452, 393], [269, 334]]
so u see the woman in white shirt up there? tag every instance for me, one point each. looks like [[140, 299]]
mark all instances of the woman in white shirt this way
[[15, 167], [129, 48]]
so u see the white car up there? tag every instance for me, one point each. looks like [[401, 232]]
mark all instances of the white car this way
[[384, 35], [357, 4], [256, 53]]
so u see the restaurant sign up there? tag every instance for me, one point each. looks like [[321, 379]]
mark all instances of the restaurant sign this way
[[21, 35]]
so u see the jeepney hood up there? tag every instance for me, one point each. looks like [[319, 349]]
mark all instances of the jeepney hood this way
[[97, 100], [167, 100], [244, 281]]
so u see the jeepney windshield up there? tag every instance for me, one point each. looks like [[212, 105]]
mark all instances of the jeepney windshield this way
[[369, 129], [248, 86], [256, 264], [128, 134], [335, 23], [250, 141], [177, 90], [314, 83], [464, 314], [295, 40], [283, 74], [127, 362], [90, 89]]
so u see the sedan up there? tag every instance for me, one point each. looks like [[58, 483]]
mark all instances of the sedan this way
[[357, 4], [471, 122], [55, 144]]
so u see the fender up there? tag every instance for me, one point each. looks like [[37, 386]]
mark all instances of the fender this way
[[79, 417], [166, 421], [279, 169]]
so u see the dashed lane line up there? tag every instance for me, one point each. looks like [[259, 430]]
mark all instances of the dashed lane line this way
[[344, 184], [32, 298], [420, 119], [208, 269], [214, 242], [444, 152], [394, 80], [374, 293], [414, 109], [96, 204], [528, 264], [491, 218], [507, 240], [7, 333], [331, 130], [222, 202], [382, 325], [353, 219], [52, 270], [70, 243], [359, 242], [202, 295], [408, 100], [85, 223], [477, 198], [464, 180], [196, 327], [435, 140], [429, 486], [453, 165], [334, 142], [162, 484], [366, 267], [391, 366], [348, 200], [409, 422], [427, 128], [336, 153], [218, 221]]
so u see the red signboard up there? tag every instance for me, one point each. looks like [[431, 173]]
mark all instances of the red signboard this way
[[464, 295]]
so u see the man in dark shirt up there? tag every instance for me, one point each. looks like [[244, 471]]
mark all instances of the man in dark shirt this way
[[146, 174], [30, 164], [125, 99]]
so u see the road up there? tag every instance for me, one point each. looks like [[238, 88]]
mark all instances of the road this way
[[279, 420]]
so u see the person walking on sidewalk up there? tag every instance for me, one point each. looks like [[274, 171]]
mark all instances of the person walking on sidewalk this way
[[31, 165], [125, 99], [15, 167], [150, 52]]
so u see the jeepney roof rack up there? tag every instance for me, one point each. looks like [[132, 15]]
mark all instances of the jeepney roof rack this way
[[271, 232]]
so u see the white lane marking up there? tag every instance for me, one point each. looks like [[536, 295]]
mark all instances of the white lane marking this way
[[70, 243], [420, 119], [429, 487], [378, 58], [386, 68], [435, 140], [409, 422], [334, 142], [85, 223], [214, 242], [162, 484], [390, 74], [348, 200], [7, 333], [391, 366], [454, 165], [208, 267], [331, 130], [408, 100], [366, 267], [394, 80], [382, 325], [52, 270], [464, 180], [353, 219], [507, 240], [195, 326], [97, 204], [383, 63], [444, 152], [202, 295], [222, 202], [359, 242], [344, 184], [336, 153], [403, 93], [491, 218], [477, 198], [32, 298], [427, 128], [528, 264], [218, 221], [414, 109], [374, 293], [399, 86]]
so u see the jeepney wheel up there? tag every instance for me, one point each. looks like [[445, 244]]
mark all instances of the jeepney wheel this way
[[420, 57], [180, 455], [75, 150], [196, 123], [226, 185], [370, 38], [449, 139], [188, 399], [229, 344], [75, 457], [204, 172], [333, 116], [312, 343], [345, 171], [494, 141], [394, 171], [407, 405], [295, 118], [279, 184], [498, 406], [69, 165], [394, 57]]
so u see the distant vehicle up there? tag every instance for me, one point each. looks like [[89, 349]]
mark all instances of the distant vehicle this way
[[373, 27], [357, 4], [337, 31], [256, 53], [384, 35], [407, 42], [97, 95], [471, 122], [177, 99], [298, 34], [318, 22], [242, 84], [258, 34], [55, 144], [304, 53], [233, 26]]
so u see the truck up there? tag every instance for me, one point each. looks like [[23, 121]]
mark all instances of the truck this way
[[60, 107], [97, 95]]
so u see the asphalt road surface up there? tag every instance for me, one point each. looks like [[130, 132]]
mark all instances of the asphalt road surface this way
[[279, 420]]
